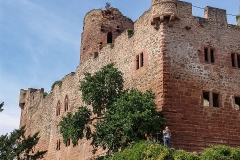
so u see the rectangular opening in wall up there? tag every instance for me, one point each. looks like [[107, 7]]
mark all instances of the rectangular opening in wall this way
[[237, 103], [233, 60], [238, 60], [206, 99], [215, 100], [212, 55], [137, 62], [206, 54], [95, 55], [141, 59]]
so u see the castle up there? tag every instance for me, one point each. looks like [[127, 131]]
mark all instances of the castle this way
[[192, 64]]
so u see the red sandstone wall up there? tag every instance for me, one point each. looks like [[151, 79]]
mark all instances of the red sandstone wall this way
[[187, 75]]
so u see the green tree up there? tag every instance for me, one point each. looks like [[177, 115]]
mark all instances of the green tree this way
[[1, 106], [17, 146], [119, 116]]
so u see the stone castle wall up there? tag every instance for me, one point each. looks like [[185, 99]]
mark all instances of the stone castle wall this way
[[173, 67]]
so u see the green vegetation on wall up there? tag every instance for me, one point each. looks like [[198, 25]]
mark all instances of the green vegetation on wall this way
[[59, 83]]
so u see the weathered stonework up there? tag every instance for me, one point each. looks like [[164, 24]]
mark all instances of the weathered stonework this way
[[174, 67]]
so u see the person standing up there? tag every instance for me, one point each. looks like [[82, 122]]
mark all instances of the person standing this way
[[166, 136]]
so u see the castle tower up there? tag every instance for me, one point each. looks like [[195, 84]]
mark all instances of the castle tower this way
[[164, 10], [101, 27]]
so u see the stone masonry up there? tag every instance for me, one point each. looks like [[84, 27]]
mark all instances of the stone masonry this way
[[192, 64]]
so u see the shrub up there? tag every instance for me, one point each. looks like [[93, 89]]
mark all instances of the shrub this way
[[45, 94], [183, 155], [221, 153], [59, 83], [130, 32]]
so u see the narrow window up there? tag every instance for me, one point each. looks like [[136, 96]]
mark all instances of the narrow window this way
[[68, 143], [95, 55], [58, 109], [141, 59], [237, 103], [215, 100], [137, 62], [109, 37], [58, 145], [66, 103], [206, 54], [212, 55], [233, 60], [206, 98], [238, 60]]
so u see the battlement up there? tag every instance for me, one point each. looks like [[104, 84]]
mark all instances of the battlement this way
[[25, 95], [215, 14]]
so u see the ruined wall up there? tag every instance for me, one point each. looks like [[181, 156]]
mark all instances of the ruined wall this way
[[187, 75]]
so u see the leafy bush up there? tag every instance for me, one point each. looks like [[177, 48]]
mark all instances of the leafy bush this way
[[221, 153], [45, 94], [144, 150], [59, 83], [183, 155], [130, 32]]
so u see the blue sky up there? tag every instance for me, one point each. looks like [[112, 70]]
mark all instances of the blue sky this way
[[40, 42]]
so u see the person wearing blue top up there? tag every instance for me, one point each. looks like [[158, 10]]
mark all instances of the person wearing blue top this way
[[166, 136]]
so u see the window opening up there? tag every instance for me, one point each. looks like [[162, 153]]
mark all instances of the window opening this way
[[66, 103], [233, 60], [58, 145], [58, 109], [238, 60], [206, 99], [206, 54], [237, 103], [137, 62], [215, 100], [212, 55], [68, 143], [209, 55], [95, 54], [141, 59], [109, 37]]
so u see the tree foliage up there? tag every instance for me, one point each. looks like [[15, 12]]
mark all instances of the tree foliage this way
[[118, 116], [1, 106], [132, 116], [76, 126], [16, 145], [102, 89]]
